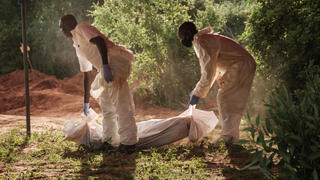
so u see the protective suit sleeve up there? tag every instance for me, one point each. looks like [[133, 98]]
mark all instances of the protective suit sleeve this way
[[209, 50], [85, 65]]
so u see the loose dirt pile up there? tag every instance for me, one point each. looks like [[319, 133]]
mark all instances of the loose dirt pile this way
[[48, 95], [52, 97], [54, 102]]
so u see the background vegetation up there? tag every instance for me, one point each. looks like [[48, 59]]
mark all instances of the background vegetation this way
[[164, 68], [50, 52], [288, 138], [165, 71], [10, 37], [284, 37]]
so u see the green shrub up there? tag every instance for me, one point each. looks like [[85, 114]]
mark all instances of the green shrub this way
[[164, 68], [10, 37], [51, 53], [284, 36], [227, 17], [289, 137]]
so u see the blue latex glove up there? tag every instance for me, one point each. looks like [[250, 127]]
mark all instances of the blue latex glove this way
[[107, 74], [193, 100], [86, 107]]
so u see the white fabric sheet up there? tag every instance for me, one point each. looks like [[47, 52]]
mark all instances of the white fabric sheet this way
[[192, 123]]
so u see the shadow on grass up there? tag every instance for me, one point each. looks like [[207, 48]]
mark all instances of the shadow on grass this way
[[102, 165], [237, 158]]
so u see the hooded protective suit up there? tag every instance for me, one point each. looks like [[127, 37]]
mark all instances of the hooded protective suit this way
[[226, 61], [115, 98]]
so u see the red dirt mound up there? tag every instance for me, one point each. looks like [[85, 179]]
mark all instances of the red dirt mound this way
[[17, 78], [48, 95], [46, 84], [52, 97]]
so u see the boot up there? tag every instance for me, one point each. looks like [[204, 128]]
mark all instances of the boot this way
[[127, 149], [107, 147]]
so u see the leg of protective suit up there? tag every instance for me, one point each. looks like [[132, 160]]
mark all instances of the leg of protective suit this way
[[123, 101], [230, 125], [109, 123], [234, 88]]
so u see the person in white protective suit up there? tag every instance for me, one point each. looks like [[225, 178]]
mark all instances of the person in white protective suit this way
[[226, 61], [113, 63]]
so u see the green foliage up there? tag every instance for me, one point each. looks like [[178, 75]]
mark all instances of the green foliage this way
[[154, 165], [10, 36], [285, 37], [164, 68], [11, 144], [50, 51], [289, 138], [46, 155], [149, 28], [227, 17]]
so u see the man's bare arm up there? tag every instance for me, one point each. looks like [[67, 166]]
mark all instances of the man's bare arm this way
[[86, 86], [99, 42]]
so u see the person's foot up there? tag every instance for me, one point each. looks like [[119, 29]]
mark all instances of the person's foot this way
[[107, 147], [127, 149]]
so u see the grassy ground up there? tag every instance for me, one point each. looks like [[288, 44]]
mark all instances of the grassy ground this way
[[46, 155]]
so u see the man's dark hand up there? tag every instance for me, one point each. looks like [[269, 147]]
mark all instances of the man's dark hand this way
[[107, 74]]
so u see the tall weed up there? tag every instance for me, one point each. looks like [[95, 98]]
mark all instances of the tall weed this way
[[288, 139]]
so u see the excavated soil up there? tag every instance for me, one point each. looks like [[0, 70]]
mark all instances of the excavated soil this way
[[48, 95], [51, 98]]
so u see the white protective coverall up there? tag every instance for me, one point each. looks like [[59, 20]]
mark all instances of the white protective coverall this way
[[115, 98], [226, 61]]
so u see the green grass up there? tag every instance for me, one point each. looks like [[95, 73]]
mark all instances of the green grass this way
[[46, 155]]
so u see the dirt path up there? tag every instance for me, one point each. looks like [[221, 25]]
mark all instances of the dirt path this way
[[38, 123]]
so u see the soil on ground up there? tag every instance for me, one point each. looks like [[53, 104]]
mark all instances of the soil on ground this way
[[54, 102]]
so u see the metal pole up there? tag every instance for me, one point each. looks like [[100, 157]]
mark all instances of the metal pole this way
[[25, 63]]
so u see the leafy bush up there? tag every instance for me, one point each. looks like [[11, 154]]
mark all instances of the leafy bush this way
[[227, 17], [285, 37], [164, 68], [10, 37], [51, 53], [289, 137]]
